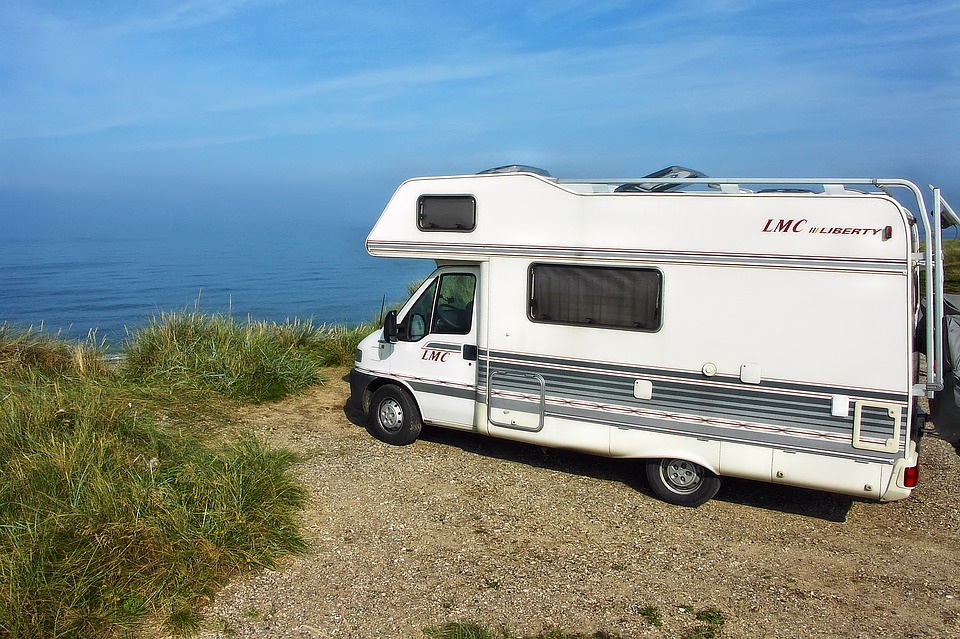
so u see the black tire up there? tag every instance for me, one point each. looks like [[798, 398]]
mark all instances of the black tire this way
[[394, 417], [681, 482]]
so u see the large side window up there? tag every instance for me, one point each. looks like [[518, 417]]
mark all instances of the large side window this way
[[601, 296], [444, 307], [446, 213]]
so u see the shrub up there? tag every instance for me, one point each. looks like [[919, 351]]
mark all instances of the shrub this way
[[107, 513], [256, 361]]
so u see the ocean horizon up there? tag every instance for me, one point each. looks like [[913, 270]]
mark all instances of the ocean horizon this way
[[112, 282]]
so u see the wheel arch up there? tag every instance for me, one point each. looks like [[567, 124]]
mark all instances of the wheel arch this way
[[379, 382], [645, 445], [708, 462]]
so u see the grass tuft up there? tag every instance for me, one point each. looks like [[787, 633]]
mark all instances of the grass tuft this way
[[31, 352], [246, 361], [458, 630], [113, 508], [712, 627], [652, 615], [253, 361], [339, 343], [462, 630]]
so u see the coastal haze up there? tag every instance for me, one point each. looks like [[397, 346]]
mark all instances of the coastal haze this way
[[237, 152]]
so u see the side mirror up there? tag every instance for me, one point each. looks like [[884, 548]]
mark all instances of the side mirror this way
[[390, 327]]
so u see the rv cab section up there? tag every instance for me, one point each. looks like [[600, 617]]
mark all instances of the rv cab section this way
[[763, 328], [429, 347]]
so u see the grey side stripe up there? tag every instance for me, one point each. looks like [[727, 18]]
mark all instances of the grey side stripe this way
[[790, 414]]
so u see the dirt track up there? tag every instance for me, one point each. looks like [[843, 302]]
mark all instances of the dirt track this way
[[462, 528]]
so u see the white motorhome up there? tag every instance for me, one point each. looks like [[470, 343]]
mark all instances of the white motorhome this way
[[745, 327]]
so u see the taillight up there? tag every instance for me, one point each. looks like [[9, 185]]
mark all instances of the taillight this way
[[910, 476]]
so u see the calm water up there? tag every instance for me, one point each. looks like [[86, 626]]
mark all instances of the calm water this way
[[111, 284]]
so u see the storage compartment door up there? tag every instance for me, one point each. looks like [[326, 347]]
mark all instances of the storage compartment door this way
[[515, 400]]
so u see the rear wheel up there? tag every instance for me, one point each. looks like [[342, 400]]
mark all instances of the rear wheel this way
[[394, 416], [681, 482]]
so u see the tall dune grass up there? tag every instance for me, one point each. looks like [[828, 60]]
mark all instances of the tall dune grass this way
[[193, 351], [249, 361], [114, 506]]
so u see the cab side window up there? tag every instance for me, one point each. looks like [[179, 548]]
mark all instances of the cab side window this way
[[421, 314], [445, 307], [454, 310]]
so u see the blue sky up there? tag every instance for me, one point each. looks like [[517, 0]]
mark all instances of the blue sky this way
[[272, 109]]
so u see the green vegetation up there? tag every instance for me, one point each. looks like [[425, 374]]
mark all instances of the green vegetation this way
[[652, 615], [711, 628], [951, 266], [951, 269], [124, 501], [456, 630], [412, 287], [120, 501], [253, 361]]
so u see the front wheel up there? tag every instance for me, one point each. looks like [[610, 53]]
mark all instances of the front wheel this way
[[681, 482], [394, 417]]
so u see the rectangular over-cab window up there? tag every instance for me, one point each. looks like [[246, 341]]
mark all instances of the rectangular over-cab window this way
[[600, 296], [446, 213]]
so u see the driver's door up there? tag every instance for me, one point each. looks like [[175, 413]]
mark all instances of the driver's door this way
[[437, 347]]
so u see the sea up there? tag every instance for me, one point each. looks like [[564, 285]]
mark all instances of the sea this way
[[107, 284]]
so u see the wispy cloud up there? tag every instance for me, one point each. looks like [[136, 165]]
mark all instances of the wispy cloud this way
[[548, 78], [175, 16]]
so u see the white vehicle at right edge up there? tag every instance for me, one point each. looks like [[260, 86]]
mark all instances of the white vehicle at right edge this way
[[761, 328]]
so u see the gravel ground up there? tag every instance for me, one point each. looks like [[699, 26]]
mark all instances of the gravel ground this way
[[461, 528]]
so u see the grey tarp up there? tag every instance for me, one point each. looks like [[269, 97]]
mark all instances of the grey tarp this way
[[945, 406]]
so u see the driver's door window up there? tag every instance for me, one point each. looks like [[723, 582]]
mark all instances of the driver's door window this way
[[453, 314], [448, 311]]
